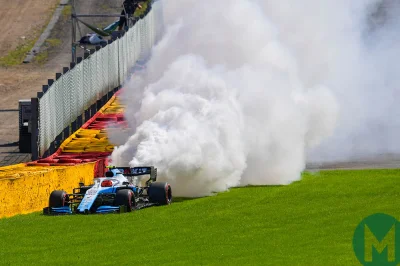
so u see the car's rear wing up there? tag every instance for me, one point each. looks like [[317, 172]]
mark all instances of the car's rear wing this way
[[138, 171]]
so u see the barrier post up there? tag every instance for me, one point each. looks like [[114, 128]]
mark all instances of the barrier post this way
[[34, 129]]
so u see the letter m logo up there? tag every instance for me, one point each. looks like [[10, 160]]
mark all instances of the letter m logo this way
[[372, 243]]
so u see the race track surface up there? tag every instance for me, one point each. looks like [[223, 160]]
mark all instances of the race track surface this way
[[384, 161]]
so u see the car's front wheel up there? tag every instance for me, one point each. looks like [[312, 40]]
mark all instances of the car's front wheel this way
[[58, 198], [125, 197]]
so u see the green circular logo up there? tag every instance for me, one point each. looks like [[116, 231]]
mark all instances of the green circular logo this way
[[376, 240]]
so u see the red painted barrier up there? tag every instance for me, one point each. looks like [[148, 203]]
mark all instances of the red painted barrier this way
[[98, 122]]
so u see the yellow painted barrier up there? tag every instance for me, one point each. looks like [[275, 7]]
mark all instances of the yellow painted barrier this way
[[29, 191], [87, 140], [25, 189], [13, 171]]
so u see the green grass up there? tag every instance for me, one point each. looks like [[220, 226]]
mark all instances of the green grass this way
[[53, 42], [16, 56], [43, 55], [41, 58], [310, 222], [66, 12], [138, 11]]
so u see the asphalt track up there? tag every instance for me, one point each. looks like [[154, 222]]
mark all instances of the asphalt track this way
[[383, 161]]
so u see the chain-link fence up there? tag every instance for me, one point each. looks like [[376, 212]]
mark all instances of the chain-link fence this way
[[92, 78]]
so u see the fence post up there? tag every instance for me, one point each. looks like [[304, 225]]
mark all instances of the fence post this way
[[34, 129]]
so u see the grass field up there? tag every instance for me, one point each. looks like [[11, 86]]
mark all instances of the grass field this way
[[310, 222]]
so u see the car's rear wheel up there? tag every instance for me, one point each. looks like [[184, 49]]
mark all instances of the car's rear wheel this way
[[58, 198], [160, 193], [125, 197]]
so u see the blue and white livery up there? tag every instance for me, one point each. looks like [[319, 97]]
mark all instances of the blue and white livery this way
[[121, 190]]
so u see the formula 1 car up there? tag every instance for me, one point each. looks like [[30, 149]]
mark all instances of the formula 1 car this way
[[119, 191]]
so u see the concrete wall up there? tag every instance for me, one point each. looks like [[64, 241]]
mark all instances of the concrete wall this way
[[29, 189]]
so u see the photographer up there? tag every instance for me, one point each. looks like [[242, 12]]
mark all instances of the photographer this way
[[129, 8]]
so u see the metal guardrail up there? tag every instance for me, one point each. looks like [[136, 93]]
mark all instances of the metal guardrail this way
[[66, 103]]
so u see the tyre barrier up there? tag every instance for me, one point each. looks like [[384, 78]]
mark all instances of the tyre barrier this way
[[25, 188]]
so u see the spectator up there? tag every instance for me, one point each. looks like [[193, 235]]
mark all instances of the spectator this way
[[129, 8]]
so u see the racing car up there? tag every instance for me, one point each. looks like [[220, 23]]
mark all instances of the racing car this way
[[121, 190]]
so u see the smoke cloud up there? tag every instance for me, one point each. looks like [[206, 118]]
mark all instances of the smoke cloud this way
[[241, 92]]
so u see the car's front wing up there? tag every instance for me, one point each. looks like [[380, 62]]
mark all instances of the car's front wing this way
[[67, 210]]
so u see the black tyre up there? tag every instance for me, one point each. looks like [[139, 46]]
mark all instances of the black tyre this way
[[160, 193], [58, 198], [125, 197]]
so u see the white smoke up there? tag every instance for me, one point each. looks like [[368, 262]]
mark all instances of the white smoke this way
[[238, 91]]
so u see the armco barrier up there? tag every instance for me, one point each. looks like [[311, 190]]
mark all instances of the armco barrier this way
[[25, 188]]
